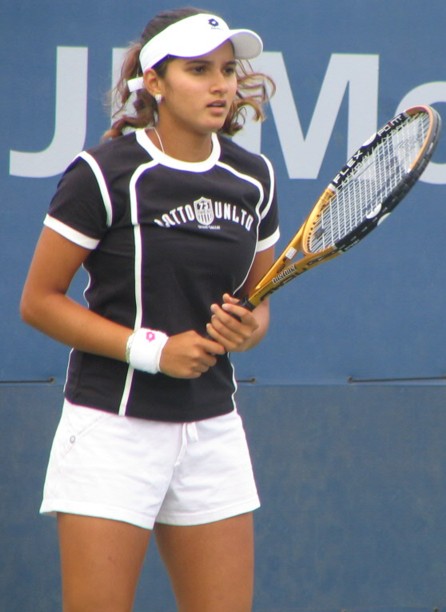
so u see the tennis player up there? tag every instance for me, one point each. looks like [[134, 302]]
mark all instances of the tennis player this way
[[172, 222]]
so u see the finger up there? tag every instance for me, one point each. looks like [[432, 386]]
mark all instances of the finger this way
[[229, 344], [236, 318], [211, 347], [229, 339], [226, 327], [237, 312], [229, 299]]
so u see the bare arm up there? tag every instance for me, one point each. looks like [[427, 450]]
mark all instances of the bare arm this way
[[236, 328], [46, 306]]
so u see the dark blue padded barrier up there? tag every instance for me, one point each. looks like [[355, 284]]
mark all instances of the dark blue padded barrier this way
[[352, 482]]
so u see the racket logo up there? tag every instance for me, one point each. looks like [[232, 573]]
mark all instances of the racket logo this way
[[283, 275], [355, 162]]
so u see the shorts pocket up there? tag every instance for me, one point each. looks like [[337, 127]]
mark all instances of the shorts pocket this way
[[75, 423]]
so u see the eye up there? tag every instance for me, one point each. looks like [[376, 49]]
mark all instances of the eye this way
[[199, 68], [229, 70]]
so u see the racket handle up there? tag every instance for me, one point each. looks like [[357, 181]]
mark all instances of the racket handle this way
[[246, 304]]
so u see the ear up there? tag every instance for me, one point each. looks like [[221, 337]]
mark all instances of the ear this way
[[152, 82]]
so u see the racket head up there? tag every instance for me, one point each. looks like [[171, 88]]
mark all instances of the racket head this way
[[366, 190], [372, 182]]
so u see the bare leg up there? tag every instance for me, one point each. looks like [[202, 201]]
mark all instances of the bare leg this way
[[211, 566], [101, 561]]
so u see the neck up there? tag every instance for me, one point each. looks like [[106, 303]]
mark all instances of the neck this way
[[185, 147]]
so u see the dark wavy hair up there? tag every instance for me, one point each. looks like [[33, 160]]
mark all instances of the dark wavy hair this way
[[253, 91]]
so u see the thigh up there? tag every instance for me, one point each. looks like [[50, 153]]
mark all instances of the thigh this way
[[101, 561], [211, 566]]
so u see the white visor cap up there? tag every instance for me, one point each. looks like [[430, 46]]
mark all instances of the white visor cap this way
[[195, 36]]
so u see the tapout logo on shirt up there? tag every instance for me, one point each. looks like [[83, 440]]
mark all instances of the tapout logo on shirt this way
[[206, 214]]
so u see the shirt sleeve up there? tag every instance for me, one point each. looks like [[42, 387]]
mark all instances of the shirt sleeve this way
[[269, 231], [77, 209]]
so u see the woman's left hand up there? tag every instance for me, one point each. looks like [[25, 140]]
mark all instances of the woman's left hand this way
[[232, 325]]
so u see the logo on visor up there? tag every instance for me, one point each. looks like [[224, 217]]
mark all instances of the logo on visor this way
[[213, 22]]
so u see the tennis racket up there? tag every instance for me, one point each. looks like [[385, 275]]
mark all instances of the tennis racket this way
[[366, 190]]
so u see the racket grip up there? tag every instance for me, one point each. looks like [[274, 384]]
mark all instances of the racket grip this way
[[246, 304]]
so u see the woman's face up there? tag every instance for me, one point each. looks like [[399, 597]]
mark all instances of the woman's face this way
[[198, 92]]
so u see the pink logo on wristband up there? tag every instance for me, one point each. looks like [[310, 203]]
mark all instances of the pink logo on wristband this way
[[150, 336]]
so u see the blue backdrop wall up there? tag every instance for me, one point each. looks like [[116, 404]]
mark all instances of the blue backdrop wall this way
[[344, 402]]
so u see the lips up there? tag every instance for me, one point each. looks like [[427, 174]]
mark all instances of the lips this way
[[217, 104]]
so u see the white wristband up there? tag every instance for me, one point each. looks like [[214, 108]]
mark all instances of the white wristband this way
[[144, 347]]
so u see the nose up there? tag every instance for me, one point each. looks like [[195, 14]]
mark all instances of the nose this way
[[219, 84]]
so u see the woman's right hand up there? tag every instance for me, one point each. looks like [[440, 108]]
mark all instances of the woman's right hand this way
[[189, 355]]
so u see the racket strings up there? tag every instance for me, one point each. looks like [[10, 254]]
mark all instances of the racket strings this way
[[361, 195]]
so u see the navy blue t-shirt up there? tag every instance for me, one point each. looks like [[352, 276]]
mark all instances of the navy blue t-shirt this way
[[167, 239]]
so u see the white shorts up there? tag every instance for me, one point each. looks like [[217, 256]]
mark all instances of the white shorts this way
[[142, 472]]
